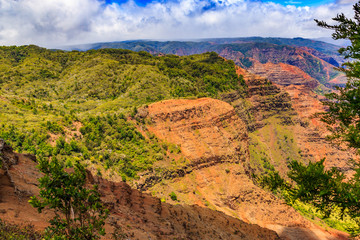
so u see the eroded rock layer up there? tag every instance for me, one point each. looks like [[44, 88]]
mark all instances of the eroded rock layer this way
[[282, 113], [203, 128], [311, 132], [208, 130], [284, 74]]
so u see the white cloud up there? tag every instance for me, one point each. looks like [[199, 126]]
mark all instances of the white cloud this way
[[346, 1], [60, 22]]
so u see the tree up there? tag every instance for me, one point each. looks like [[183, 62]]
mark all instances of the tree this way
[[326, 189], [344, 106], [79, 213]]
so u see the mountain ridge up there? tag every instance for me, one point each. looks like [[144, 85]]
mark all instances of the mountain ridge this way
[[315, 58]]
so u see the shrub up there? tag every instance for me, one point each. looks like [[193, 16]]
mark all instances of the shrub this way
[[173, 196], [79, 213]]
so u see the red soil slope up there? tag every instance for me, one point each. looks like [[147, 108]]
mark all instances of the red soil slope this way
[[133, 214]]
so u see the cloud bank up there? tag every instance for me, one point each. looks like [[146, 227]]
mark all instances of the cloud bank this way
[[54, 23]]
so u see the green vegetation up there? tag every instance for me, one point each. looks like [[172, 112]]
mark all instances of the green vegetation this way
[[334, 220], [281, 49], [273, 146], [82, 106], [77, 77], [344, 105], [173, 196], [319, 193], [79, 213]]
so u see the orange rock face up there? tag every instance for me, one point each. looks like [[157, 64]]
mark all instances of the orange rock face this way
[[207, 129], [284, 74], [308, 131], [312, 138]]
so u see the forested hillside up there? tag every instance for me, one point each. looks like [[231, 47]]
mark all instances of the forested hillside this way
[[82, 105]]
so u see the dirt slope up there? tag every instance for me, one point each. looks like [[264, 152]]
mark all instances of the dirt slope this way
[[221, 185], [133, 215]]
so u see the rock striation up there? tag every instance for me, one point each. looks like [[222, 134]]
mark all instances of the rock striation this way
[[208, 129], [311, 133], [284, 74]]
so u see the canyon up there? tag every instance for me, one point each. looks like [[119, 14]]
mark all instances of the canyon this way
[[189, 139], [215, 176]]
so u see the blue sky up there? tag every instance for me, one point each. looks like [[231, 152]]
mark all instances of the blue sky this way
[[53, 23]]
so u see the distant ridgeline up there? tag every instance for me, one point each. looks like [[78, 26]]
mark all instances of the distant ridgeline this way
[[315, 58], [82, 105]]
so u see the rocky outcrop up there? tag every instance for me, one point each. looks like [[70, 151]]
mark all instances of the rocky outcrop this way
[[299, 58], [335, 60], [294, 107], [284, 74], [144, 217], [133, 215], [226, 188], [208, 129], [20, 171], [311, 133], [18, 181], [289, 109], [264, 100]]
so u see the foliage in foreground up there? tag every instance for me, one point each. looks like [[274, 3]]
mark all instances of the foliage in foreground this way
[[79, 213], [323, 189], [343, 116]]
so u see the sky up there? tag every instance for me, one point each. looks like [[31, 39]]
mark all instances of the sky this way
[[54, 23]]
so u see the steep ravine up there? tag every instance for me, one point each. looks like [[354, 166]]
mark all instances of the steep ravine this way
[[283, 127], [311, 133], [208, 129]]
